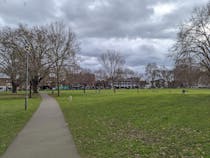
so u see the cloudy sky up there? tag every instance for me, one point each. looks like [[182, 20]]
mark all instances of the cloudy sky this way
[[142, 30]]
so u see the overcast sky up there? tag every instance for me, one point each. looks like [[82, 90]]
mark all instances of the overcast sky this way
[[142, 30]]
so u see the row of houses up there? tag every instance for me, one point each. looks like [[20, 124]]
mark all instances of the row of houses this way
[[129, 83]]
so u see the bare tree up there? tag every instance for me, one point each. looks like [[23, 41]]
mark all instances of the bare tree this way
[[132, 76], [167, 75], [63, 46], [152, 72], [86, 78], [39, 52], [112, 61], [11, 61], [128, 73], [186, 72], [49, 47], [137, 78], [100, 76], [193, 39]]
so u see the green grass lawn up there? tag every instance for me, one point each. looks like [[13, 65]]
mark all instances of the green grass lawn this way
[[13, 116], [145, 124]]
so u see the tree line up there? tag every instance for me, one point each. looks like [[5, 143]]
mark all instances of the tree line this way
[[191, 55], [52, 54], [48, 48]]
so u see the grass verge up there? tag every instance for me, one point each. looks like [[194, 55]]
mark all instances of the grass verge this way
[[13, 116], [145, 124]]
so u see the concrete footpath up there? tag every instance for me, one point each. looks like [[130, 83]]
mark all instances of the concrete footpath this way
[[46, 135]]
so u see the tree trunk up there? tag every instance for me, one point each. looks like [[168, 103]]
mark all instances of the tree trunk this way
[[30, 90], [58, 89], [113, 87], [35, 82], [14, 87], [84, 88], [152, 86], [58, 83]]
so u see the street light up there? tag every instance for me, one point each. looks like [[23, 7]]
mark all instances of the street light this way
[[27, 48]]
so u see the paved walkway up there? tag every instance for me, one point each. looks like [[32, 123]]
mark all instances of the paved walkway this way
[[46, 135]]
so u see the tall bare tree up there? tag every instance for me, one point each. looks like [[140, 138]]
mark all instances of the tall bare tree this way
[[49, 47], [64, 46], [167, 75], [137, 79], [152, 72], [186, 72], [11, 61], [100, 76], [193, 39], [112, 61]]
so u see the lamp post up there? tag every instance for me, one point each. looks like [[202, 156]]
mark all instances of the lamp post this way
[[26, 91]]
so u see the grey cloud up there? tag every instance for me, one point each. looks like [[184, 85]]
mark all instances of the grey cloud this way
[[147, 54], [124, 19], [88, 62], [137, 52], [137, 61], [117, 18], [28, 11], [128, 26]]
